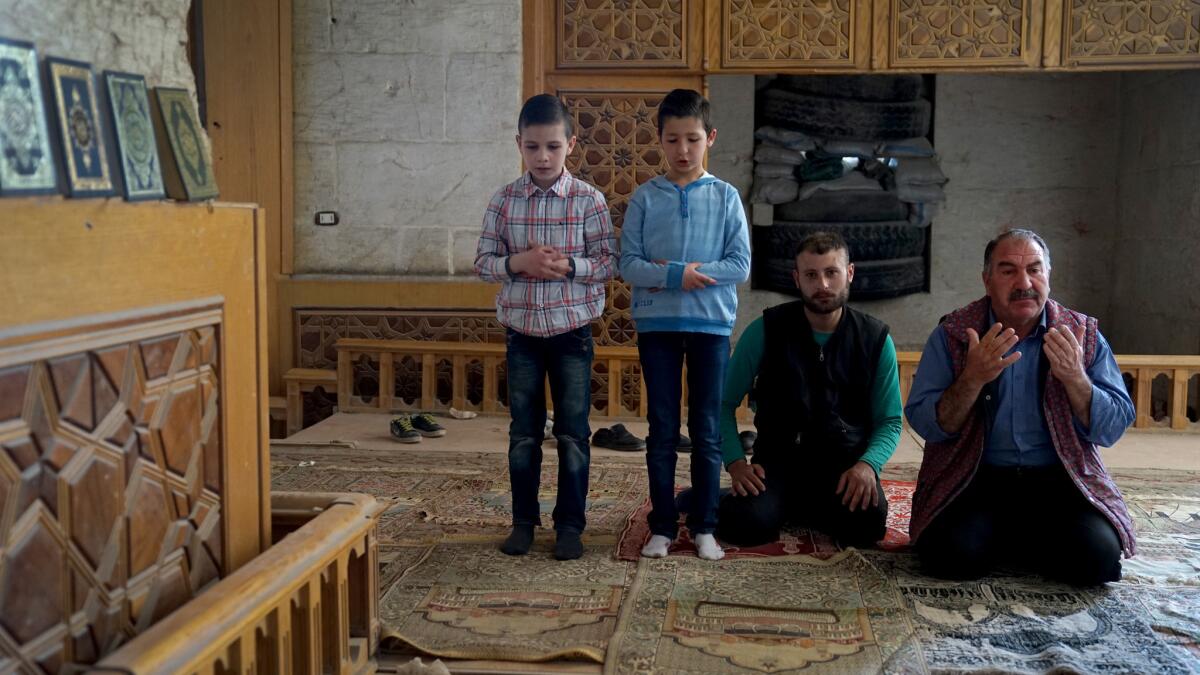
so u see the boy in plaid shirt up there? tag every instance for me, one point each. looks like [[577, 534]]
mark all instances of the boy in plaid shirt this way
[[548, 239]]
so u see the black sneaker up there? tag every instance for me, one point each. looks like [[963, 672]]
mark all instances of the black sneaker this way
[[403, 431], [617, 437], [427, 426]]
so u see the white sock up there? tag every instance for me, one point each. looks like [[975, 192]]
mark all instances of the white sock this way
[[707, 547], [656, 547]]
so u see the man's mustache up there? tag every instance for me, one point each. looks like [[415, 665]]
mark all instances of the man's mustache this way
[[1030, 294]]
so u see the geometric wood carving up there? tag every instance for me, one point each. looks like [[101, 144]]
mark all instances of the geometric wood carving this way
[[789, 33], [959, 33], [618, 151], [319, 328], [622, 33], [1133, 31], [110, 485]]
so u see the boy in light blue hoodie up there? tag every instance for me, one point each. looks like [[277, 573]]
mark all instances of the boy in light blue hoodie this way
[[685, 246]]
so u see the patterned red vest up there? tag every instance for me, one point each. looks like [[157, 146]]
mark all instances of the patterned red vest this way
[[948, 467]]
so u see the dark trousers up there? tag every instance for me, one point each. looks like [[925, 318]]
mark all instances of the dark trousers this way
[[662, 355], [802, 493], [567, 360], [1034, 518]]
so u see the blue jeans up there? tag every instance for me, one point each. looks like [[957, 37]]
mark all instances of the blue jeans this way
[[662, 355], [567, 359]]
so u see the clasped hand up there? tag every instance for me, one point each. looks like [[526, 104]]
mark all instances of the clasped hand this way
[[541, 262], [693, 278]]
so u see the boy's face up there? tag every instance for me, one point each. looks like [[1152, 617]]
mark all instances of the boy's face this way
[[545, 147], [684, 142]]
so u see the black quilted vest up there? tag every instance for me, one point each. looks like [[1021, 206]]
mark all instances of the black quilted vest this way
[[815, 399]]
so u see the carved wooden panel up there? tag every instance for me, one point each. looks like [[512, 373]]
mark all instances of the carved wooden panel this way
[[764, 34], [1132, 31], [622, 33], [958, 33], [111, 486], [617, 151], [319, 328]]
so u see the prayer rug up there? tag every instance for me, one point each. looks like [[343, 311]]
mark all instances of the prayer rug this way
[[792, 541], [779, 614], [1028, 624], [468, 601]]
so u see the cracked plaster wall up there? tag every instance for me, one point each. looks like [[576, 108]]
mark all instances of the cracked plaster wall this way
[[146, 37]]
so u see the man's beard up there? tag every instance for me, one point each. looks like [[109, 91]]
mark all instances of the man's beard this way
[[826, 305]]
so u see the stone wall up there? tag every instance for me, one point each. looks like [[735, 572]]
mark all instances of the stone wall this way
[[1154, 271], [1031, 150], [146, 37], [405, 114]]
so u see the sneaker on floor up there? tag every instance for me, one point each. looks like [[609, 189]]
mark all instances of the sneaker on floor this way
[[427, 426], [403, 431], [617, 437]]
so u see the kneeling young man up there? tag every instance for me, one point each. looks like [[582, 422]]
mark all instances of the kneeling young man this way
[[828, 411]]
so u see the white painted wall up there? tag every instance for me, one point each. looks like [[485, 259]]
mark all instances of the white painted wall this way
[[405, 114]]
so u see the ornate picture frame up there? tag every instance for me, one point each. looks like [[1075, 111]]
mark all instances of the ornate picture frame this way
[[27, 162], [133, 131], [85, 157], [187, 162]]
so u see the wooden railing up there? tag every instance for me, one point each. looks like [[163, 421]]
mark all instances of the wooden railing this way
[[1168, 409], [308, 604], [1178, 373], [619, 360], [1164, 405], [301, 381]]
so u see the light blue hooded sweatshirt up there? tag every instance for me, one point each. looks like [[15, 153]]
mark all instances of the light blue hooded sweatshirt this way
[[703, 222]]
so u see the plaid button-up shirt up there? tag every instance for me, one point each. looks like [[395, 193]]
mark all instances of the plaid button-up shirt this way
[[571, 216]]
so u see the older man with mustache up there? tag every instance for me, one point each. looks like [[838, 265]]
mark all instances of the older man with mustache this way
[[1013, 395]]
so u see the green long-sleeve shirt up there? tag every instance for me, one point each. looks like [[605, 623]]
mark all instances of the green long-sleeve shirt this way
[[885, 396]]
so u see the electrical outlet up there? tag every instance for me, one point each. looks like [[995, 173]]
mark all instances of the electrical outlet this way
[[327, 218]]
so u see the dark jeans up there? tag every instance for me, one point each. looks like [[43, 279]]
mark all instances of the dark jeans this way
[[1033, 518], [803, 493], [662, 355], [567, 359]]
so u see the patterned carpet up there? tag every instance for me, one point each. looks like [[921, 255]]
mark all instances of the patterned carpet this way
[[448, 593], [468, 601], [792, 541]]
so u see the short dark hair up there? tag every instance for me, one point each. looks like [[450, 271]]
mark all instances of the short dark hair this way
[[1014, 233], [821, 243], [545, 109], [685, 103]]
